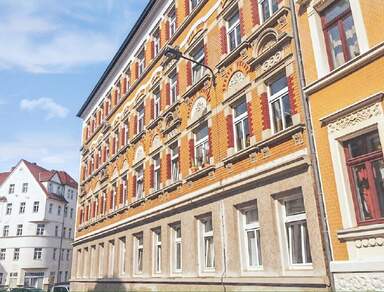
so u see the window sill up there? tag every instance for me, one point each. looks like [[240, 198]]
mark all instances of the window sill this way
[[172, 186], [172, 126], [137, 137], [171, 107], [233, 55], [281, 136], [361, 232], [240, 155], [192, 89], [152, 124], [200, 173]]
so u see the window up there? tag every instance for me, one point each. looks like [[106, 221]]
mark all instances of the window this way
[[156, 104], [35, 207], [9, 209], [156, 172], [5, 230], [195, 3], [123, 251], [68, 253], [241, 127], [234, 33], [37, 253], [174, 162], [296, 231], [157, 250], [251, 231], [207, 248], [40, 229], [56, 230], [71, 213], [1, 278], [172, 22], [22, 208], [70, 233], [177, 248], [25, 188], [65, 211], [50, 208], [279, 103], [19, 230], [2, 254], [66, 276], [64, 231], [173, 87], [11, 188], [58, 210], [156, 43], [364, 157], [141, 63], [198, 70], [340, 34], [267, 8], [54, 253], [140, 119], [16, 254], [101, 259], [139, 253], [111, 258], [201, 147], [139, 182]]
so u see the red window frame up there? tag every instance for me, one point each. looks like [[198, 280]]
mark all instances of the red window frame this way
[[366, 159], [338, 20]]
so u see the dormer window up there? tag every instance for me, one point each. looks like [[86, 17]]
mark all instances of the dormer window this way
[[198, 70], [267, 8], [140, 118], [141, 63], [234, 33]]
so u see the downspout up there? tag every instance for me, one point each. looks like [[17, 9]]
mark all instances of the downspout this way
[[312, 146], [61, 245]]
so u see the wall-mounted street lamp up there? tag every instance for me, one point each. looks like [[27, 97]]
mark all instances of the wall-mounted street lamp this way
[[173, 53]]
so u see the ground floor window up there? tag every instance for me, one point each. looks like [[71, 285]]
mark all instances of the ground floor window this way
[[34, 279]]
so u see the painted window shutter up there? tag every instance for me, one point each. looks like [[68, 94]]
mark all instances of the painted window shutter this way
[[230, 141], [192, 152], [250, 118], [291, 94], [189, 73], [223, 40], [265, 111], [167, 94], [168, 166], [255, 12], [152, 171]]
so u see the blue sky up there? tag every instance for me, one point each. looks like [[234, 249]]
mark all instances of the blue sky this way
[[52, 53]]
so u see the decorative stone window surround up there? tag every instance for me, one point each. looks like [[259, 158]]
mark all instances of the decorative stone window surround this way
[[354, 120]]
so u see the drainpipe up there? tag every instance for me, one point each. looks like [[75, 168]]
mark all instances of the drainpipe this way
[[312, 146], [61, 245]]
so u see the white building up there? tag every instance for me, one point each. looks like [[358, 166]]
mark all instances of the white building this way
[[37, 219]]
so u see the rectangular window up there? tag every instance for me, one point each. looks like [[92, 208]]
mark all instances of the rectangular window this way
[[156, 172], [156, 103], [35, 207], [156, 43], [11, 188], [241, 126], [22, 208], [251, 235], [234, 33], [37, 253], [50, 208], [172, 22], [19, 230], [173, 87], [25, 188], [139, 252], [111, 258], [340, 34], [279, 103], [141, 63], [267, 8], [177, 266], [140, 119], [16, 254], [139, 182], [40, 229], [364, 157], [1, 278], [157, 250], [295, 223], [207, 247], [174, 162], [198, 70], [68, 253], [5, 230], [201, 147], [9, 209], [195, 3], [54, 253], [2, 254], [58, 210], [101, 259], [123, 251], [71, 213]]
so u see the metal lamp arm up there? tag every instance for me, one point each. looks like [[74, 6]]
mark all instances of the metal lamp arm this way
[[203, 65]]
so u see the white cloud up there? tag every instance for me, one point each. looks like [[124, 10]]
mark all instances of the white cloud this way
[[53, 109]]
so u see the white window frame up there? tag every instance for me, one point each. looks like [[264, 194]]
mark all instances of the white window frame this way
[[140, 182], [156, 43], [204, 238], [172, 22], [16, 254], [37, 253], [139, 253], [157, 251], [5, 230], [141, 63], [111, 258], [156, 172], [175, 163], [177, 243], [36, 206], [173, 87], [194, 4], [294, 219], [198, 71], [271, 12], [204, 143], [235, 29], [240, 119], [24, 188], [101, 259], [11, 189], [40, 229], [19, 230], [140, 119], [9, 209], [3, 252], [122, 255], [156, 104], [22, 208]]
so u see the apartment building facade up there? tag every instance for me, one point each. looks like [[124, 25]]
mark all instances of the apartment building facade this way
[[192, 179], [343, 46], [37, 223]]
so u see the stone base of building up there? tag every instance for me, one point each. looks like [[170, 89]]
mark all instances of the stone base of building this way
[[252, 284], [358, 276]]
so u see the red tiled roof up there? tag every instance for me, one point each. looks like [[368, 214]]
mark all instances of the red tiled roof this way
[[3, 176], [66, 179]]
